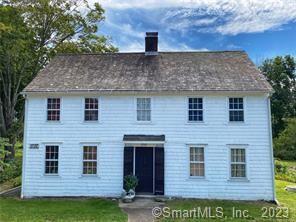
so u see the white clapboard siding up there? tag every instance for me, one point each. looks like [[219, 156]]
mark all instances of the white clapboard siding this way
[[169, 117]]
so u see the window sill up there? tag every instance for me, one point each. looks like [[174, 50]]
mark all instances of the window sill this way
[[197, 178], [144, 123], [52, 175], [53, 122], [94, 176], [90, 122], [195, 123], [243, 180]]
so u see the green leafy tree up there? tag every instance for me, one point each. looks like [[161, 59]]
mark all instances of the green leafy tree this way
[[31, 33], [285, 144], [281, 74]]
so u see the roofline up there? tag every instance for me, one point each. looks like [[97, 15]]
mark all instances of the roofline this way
[[114, 53], [27, 92]]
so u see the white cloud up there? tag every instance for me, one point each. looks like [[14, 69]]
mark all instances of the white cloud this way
[[229, 17]]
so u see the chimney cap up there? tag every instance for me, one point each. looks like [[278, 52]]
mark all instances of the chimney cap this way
[[151, 34]]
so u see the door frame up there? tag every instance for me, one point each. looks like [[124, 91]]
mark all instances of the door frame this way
[[147, 146]]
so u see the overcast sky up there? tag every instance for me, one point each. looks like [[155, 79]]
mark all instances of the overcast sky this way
[[263, 28]]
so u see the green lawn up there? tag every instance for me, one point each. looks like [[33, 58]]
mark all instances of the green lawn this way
[[60, 210], [84, 210], [287, 199]]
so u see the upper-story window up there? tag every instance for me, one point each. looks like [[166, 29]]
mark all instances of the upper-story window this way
[[91, 109], [195, 109], [53, 109], [238, 163], [143, 109], [236, 109]]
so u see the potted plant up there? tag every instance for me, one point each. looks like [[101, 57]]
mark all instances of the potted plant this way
[[130, 184]]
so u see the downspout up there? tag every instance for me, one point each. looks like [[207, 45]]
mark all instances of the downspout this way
[[24, 148], [271, 149]]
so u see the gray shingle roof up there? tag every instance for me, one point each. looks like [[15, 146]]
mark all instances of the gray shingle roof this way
[[168, 71]]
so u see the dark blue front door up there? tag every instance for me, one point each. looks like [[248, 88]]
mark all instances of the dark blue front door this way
[[144, 169]]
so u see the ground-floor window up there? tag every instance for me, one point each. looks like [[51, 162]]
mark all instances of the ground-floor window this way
[[197, 164], [238, 163], [51, 159], [89, 160]]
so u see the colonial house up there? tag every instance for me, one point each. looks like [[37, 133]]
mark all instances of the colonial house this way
[[187, 124]]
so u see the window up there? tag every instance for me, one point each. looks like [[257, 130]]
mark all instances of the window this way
[[236, 109], [197, 164], [89, 160], [51, 159], [195, 109], [53, 109], [238, 163], [143, 109], [91, 109]]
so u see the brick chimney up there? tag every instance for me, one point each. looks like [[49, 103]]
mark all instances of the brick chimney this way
[[151, 43]]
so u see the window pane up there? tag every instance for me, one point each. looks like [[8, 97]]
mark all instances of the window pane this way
[[90, 167], [91, 109], [89, 160], [197, 169], [236, 112], [51, 162], [238, 170], [143, 109], [53, 109], [195, 112], [238, 155]]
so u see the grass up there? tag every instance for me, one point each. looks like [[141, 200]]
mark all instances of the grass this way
[[287, 199], [60, 210]]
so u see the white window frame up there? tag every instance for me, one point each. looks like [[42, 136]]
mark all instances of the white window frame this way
[[98, 110], [46, 109], [244, 109], [44, 158], [238, 146], [204, 162], [82, 159], [136, 107], [187, 110]]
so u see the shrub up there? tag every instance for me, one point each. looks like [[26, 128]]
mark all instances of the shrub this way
[[280, 167], [11, 170], [130, 182], [285, 143]]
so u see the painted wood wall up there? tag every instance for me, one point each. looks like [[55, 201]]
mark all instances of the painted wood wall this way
[[117, 117]]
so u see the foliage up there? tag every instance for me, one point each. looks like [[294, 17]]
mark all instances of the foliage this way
[[130, 182], [12, 169], [280, 167], [285, 172], [3, 153], [63, 210], [31, 33], [285, 143], [281, 74]]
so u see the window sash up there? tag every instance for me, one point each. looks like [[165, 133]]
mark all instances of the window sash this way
[[89, 162], [143, 109], [91, 109], [195, 109], [51, 161], [238, 165], [53, 109], [197, 162], [236, 109]]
